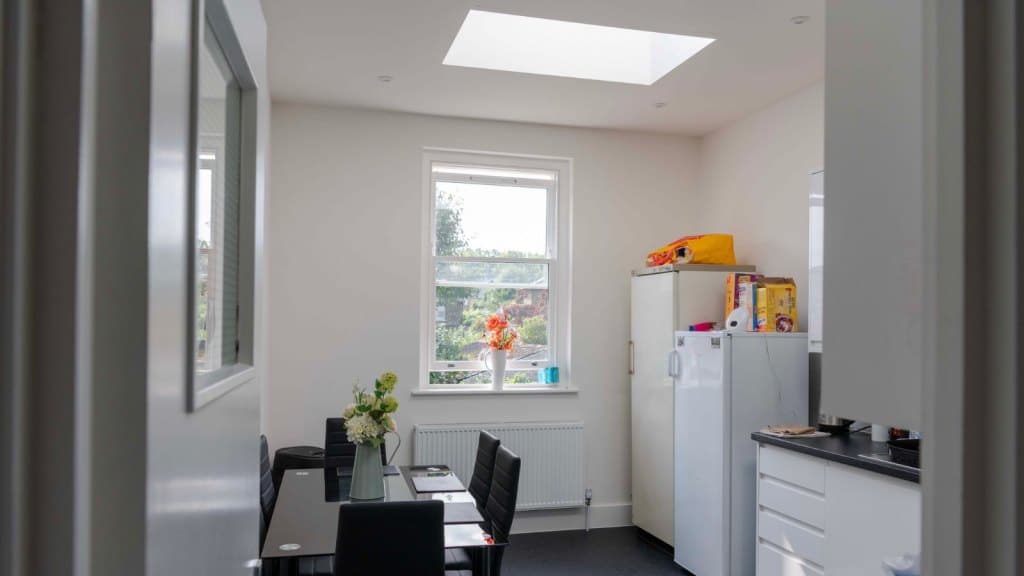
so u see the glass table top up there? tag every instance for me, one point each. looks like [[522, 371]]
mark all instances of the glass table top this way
[[305, 519]]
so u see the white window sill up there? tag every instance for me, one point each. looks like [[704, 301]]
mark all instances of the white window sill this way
[[517, 391]]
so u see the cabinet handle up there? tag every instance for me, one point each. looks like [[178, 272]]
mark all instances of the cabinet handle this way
[[632, 358], [673, 363]]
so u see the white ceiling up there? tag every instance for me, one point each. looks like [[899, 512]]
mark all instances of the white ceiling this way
[[332, 52]]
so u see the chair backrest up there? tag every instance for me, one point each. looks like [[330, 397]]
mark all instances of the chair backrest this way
[[483, 469], [501, 502], [338, 451], [404, 538], [268, 495]]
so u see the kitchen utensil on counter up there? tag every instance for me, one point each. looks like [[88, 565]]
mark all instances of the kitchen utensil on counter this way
[[790, 429], [906, 451], [834, 424]]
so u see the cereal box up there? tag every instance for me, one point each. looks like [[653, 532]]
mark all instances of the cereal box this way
[[776, 305], [740, 292]]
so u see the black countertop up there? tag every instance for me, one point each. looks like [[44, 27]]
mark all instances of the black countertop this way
[[845, 449]]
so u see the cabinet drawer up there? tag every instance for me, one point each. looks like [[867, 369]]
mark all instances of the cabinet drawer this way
[[789, 500], [791, 537], [771, 562], [804, 471]]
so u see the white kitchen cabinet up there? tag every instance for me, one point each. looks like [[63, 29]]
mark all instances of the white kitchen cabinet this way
[[816, 516], [875, 233], [791, 517], [869, 517]]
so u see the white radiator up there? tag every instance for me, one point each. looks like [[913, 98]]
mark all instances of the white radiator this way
[[551, 475]]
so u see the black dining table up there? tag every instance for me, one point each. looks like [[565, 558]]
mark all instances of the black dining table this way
[[305, 519]]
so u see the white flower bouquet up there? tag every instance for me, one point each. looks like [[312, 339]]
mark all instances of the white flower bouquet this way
[[369, 418]]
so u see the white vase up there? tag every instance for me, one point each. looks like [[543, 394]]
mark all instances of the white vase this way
[[495, 361]]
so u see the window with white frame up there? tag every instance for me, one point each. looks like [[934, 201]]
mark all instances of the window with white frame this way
[[494, 247]]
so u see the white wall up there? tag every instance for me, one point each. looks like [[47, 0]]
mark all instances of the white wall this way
[[344, 287], [754, 182]]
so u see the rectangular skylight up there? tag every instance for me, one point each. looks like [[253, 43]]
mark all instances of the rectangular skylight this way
[[557, 48]]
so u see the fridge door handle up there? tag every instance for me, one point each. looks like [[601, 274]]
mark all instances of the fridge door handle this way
[[632, 358], [673, 364]]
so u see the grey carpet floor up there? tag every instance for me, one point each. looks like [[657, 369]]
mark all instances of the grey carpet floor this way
[[605, 552]]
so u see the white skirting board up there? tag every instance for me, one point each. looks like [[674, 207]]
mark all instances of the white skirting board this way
[[601, 516]]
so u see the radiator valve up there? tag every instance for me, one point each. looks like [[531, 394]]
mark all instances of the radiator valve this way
[[588, 495]]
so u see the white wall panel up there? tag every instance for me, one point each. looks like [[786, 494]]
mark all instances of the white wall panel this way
[[873, 322]]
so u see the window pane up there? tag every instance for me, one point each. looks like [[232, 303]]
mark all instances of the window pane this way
[[510, 275], [466, 377], [469, 377], [817, 235], [498, 172], [216, 209], [462, 313], [490, 220]]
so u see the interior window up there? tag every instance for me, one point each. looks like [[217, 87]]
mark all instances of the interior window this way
[[216, 210]]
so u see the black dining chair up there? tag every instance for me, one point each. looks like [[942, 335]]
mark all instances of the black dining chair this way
[[501, 503], [479, 488], [315, 566], [339, 453], [483, 469], [268, 498], [339, 456], [404, 538], [375, 538], [268, 494]]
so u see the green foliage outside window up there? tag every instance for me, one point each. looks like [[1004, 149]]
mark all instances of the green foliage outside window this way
[[534, 330]]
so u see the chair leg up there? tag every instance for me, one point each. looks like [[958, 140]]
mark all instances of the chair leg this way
[[483, 562]]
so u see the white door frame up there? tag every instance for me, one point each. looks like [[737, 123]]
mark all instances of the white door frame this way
[[973, 401]]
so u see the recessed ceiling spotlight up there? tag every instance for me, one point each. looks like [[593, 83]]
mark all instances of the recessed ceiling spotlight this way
[[799, 19], [385, 78], [660, 104], [531, 45]]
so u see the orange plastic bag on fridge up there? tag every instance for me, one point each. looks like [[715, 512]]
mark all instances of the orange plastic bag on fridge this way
[[702, 249]]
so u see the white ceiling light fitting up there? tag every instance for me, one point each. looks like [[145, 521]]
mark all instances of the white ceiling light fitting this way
[[799, 19], [557, 48], [385, 78]]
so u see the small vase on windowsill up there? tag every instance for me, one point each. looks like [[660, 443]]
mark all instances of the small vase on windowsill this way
[[367, 474], [501, 337], [495, 361]]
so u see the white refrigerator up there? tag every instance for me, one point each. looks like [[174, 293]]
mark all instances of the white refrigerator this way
[[727, 385], [663, 300]]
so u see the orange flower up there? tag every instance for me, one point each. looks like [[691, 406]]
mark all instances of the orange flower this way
[[496, 323], [500, 335]]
